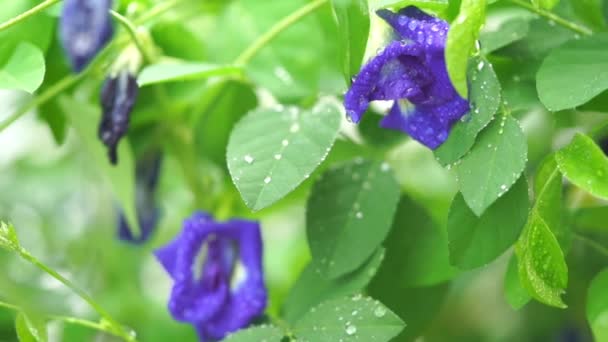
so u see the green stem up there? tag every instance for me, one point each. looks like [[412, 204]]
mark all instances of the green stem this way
[[117, 327], [275, 30], [554, 17], [66, 319], [23, 16], [9, 306], [591, 243], [50, 93], [132, 30]]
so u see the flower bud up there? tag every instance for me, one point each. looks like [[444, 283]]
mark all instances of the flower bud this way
[[118, 96], [85, 28]]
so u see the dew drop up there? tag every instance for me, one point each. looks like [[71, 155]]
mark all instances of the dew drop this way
[[380, 311], [385, 167], [285, 142], [267, 180], [249, 159], [480, 66], [359, 215], [351, 329], [278, 156], [294, 128], [357, 297]]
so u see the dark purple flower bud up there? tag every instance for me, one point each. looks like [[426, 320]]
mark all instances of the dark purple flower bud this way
[[118, 96], [210, 296], [604, 145], [410, 68], [146, 172], [85, 27]]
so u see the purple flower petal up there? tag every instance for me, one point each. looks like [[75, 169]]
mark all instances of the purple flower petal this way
[[411, 69], [429, 125], [415, 25], [396, 72], [210, 301]]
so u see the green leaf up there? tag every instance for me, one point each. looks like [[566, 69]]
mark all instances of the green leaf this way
[[225, 103], [592, 220], [545, 4], [542, 267], [581, 64], [493, 164], [585, 165], [271, 151], [417, 306], [38, 30], [312, 288], [266, 333], [433, 5], [30, 328], [172, 72], [476, 241], [21, 68], [292, 66], [515, 294], [349, 318], [597, 306], [460, 44], [8, 236], [344, 204], [508, 32], [173, 37], [590, 11], [417, 248], [85, 118], [485, 101], [353, 30]]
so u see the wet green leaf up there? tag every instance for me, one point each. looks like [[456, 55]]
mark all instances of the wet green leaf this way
[[272, 151], [343, 205], [584, 164]]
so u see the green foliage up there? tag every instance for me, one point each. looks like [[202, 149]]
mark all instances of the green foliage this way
[[475, 241], [172, 72], [515, 294], [485, 100], [353, 29], [597, 306], [493, 164], [542, 266], [265, 166], [417, 248], [84, 117], [312, 288], [461, 41], [21, 67], [545, 4], [582, 65], [584, 164], [244, 101], [343, 205], [30, 328], [434, 5], [346, 318], [267, 333]]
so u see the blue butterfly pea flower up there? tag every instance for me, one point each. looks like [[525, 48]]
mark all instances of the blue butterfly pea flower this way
[[210, 297], [147, 171], [85, 28], [118, 96], [411, 68]]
